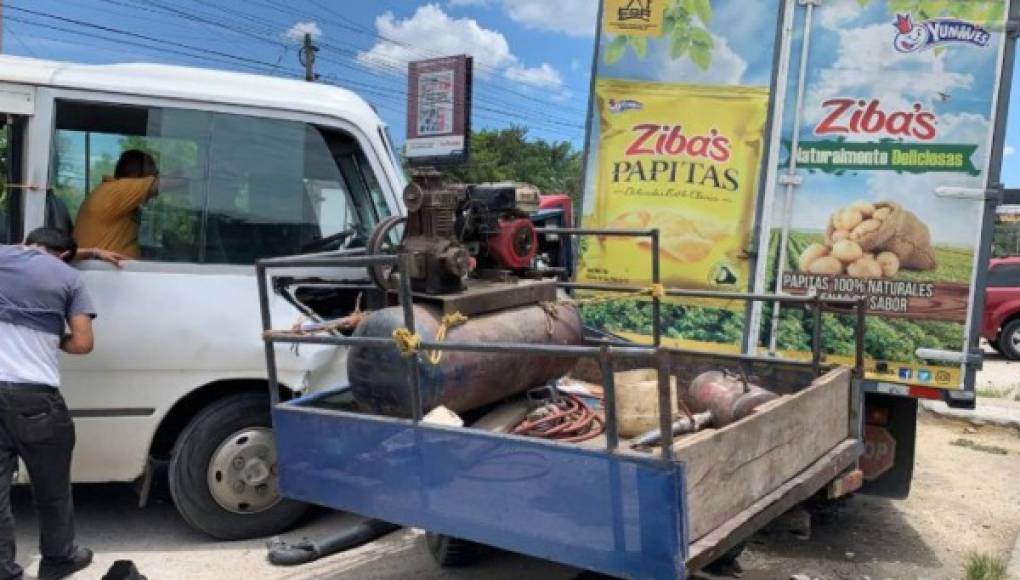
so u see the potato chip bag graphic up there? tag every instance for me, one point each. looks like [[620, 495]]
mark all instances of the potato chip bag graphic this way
[[684, 160]]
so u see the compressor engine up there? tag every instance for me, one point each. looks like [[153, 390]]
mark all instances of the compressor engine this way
[[472, 251], [453, 231]]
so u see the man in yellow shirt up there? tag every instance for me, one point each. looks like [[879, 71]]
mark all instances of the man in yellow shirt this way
[[108, 218]]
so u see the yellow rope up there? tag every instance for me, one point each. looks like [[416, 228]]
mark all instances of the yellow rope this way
[[655, 291], [407, 342], [449, 321], [552, 312]]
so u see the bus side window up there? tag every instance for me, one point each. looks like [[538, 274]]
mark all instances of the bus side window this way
[[244, 187], [90, 138]]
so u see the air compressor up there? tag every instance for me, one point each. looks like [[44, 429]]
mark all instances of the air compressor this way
[[473, 253]]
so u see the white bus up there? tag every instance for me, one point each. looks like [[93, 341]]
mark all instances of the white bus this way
[[271, 167]]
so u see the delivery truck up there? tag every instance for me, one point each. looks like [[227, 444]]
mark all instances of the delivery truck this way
[[797, 199]]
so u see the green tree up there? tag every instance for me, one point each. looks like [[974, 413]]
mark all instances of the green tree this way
[[509, 155]]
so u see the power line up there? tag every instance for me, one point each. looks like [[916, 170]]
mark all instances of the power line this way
[[254, 64], [484, 103], [391, 65], [424, 52], [250, 64]]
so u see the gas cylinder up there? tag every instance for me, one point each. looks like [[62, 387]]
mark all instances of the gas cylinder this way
[[727, 396], [461, 381]]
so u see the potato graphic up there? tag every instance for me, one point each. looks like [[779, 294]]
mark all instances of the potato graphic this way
[[847, 251], [810, 254], [864, 268], [882, 227], [826, 266]]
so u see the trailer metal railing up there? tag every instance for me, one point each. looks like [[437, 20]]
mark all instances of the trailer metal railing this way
[[604, 354]]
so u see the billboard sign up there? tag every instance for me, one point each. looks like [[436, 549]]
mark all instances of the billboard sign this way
[[439, 110]]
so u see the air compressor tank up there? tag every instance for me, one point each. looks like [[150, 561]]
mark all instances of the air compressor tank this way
[[727, 396], [461, 381]]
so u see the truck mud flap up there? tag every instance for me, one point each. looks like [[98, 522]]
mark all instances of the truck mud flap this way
[[890, 433]]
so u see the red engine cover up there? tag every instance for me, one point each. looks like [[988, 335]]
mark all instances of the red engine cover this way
[[559, 201], [515, 245]]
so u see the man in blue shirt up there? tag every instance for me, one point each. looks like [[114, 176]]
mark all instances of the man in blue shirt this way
[[44, 308]]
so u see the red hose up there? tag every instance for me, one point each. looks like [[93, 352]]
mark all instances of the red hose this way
[[572, 421]]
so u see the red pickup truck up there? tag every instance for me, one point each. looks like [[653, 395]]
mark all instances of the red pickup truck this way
[[1001, 325]]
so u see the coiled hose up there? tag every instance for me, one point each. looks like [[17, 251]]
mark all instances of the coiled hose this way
[[568, 418]]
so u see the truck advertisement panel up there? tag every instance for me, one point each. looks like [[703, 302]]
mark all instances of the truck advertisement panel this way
[[881, 173], [676, 143]]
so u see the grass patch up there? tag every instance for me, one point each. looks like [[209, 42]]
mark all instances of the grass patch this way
[[961, 442], [984, 567], [990, 392]]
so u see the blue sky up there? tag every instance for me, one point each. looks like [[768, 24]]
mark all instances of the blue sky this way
[[532, 56], [531, 66]]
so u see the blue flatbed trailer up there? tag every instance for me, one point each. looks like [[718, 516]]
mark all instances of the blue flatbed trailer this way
[[613, 510]]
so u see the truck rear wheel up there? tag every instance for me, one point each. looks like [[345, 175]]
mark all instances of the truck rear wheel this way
[[223, 476], [1009, 340]]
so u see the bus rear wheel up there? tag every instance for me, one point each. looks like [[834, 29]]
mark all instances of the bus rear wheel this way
[[223, 477]]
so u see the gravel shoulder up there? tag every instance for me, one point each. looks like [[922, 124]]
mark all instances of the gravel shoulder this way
[[963, 500]]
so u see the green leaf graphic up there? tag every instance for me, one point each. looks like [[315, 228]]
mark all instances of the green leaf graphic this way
[[703, 8], [640, 46], [616, 49], [701, 56]]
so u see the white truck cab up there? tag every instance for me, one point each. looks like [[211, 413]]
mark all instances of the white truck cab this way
[[270, 167]]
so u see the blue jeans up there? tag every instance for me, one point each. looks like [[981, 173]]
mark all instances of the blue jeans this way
[[36, 426]]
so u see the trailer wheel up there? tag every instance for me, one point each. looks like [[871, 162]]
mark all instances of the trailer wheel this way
[[1009, 340], [453, 553], [223, 477]]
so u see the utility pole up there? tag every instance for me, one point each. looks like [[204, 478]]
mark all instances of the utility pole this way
[[306, 55]]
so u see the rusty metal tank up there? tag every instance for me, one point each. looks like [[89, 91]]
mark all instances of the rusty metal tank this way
[[462, 381], [726, 395]]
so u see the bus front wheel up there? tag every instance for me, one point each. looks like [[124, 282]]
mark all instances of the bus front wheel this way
[[223, 476]]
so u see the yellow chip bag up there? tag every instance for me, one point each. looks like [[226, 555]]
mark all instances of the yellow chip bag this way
[[684, 160]]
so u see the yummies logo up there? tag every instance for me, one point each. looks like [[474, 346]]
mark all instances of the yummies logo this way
[[917, 36]]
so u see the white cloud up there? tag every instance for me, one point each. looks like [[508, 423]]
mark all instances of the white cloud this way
[[868, 66], [544, 76], [432, 32], [429, 32], [470, 2], [571, 17], [298, 31], [1009, 150], [834, 15], [727, 66]]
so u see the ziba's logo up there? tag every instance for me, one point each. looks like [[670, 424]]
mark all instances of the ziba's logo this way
[[666, 140], [916, 36], [846, 116]]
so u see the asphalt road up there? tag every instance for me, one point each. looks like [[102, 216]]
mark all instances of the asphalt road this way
[[964, 500], [163, 546]]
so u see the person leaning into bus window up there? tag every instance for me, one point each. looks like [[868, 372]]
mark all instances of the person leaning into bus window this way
[[108, 218], [41, 296]]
